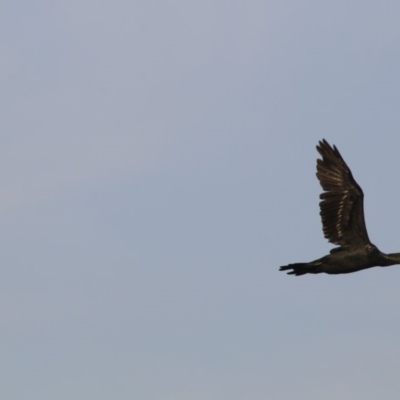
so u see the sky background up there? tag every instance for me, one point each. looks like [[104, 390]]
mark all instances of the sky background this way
[[157, 166]]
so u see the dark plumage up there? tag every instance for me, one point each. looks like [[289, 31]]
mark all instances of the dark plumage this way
[[342, 214]]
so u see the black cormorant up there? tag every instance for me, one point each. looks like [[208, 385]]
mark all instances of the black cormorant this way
[[342, 214]]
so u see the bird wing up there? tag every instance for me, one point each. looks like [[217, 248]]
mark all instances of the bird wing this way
[[342, 205]]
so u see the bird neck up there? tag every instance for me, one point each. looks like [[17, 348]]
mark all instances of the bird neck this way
[[392, 259]]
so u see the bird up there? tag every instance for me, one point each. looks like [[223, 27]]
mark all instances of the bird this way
[[343, 222]]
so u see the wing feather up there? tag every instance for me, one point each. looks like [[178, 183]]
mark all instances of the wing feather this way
[[342, 205]]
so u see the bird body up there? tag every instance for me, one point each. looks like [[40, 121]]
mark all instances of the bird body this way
[[342, 214]]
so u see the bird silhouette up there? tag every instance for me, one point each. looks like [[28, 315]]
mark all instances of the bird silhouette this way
[[342, 215]]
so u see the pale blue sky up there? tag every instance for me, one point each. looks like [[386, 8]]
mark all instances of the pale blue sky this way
[[158, 166]]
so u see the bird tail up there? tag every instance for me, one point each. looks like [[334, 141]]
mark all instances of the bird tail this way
[[301, 268]]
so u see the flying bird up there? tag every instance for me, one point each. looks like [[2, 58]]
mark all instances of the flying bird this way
[[342, 215]]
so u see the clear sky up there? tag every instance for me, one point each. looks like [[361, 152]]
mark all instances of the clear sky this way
[[158, 166]]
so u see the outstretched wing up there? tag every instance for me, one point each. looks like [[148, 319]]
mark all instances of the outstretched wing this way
[[342, 205]]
